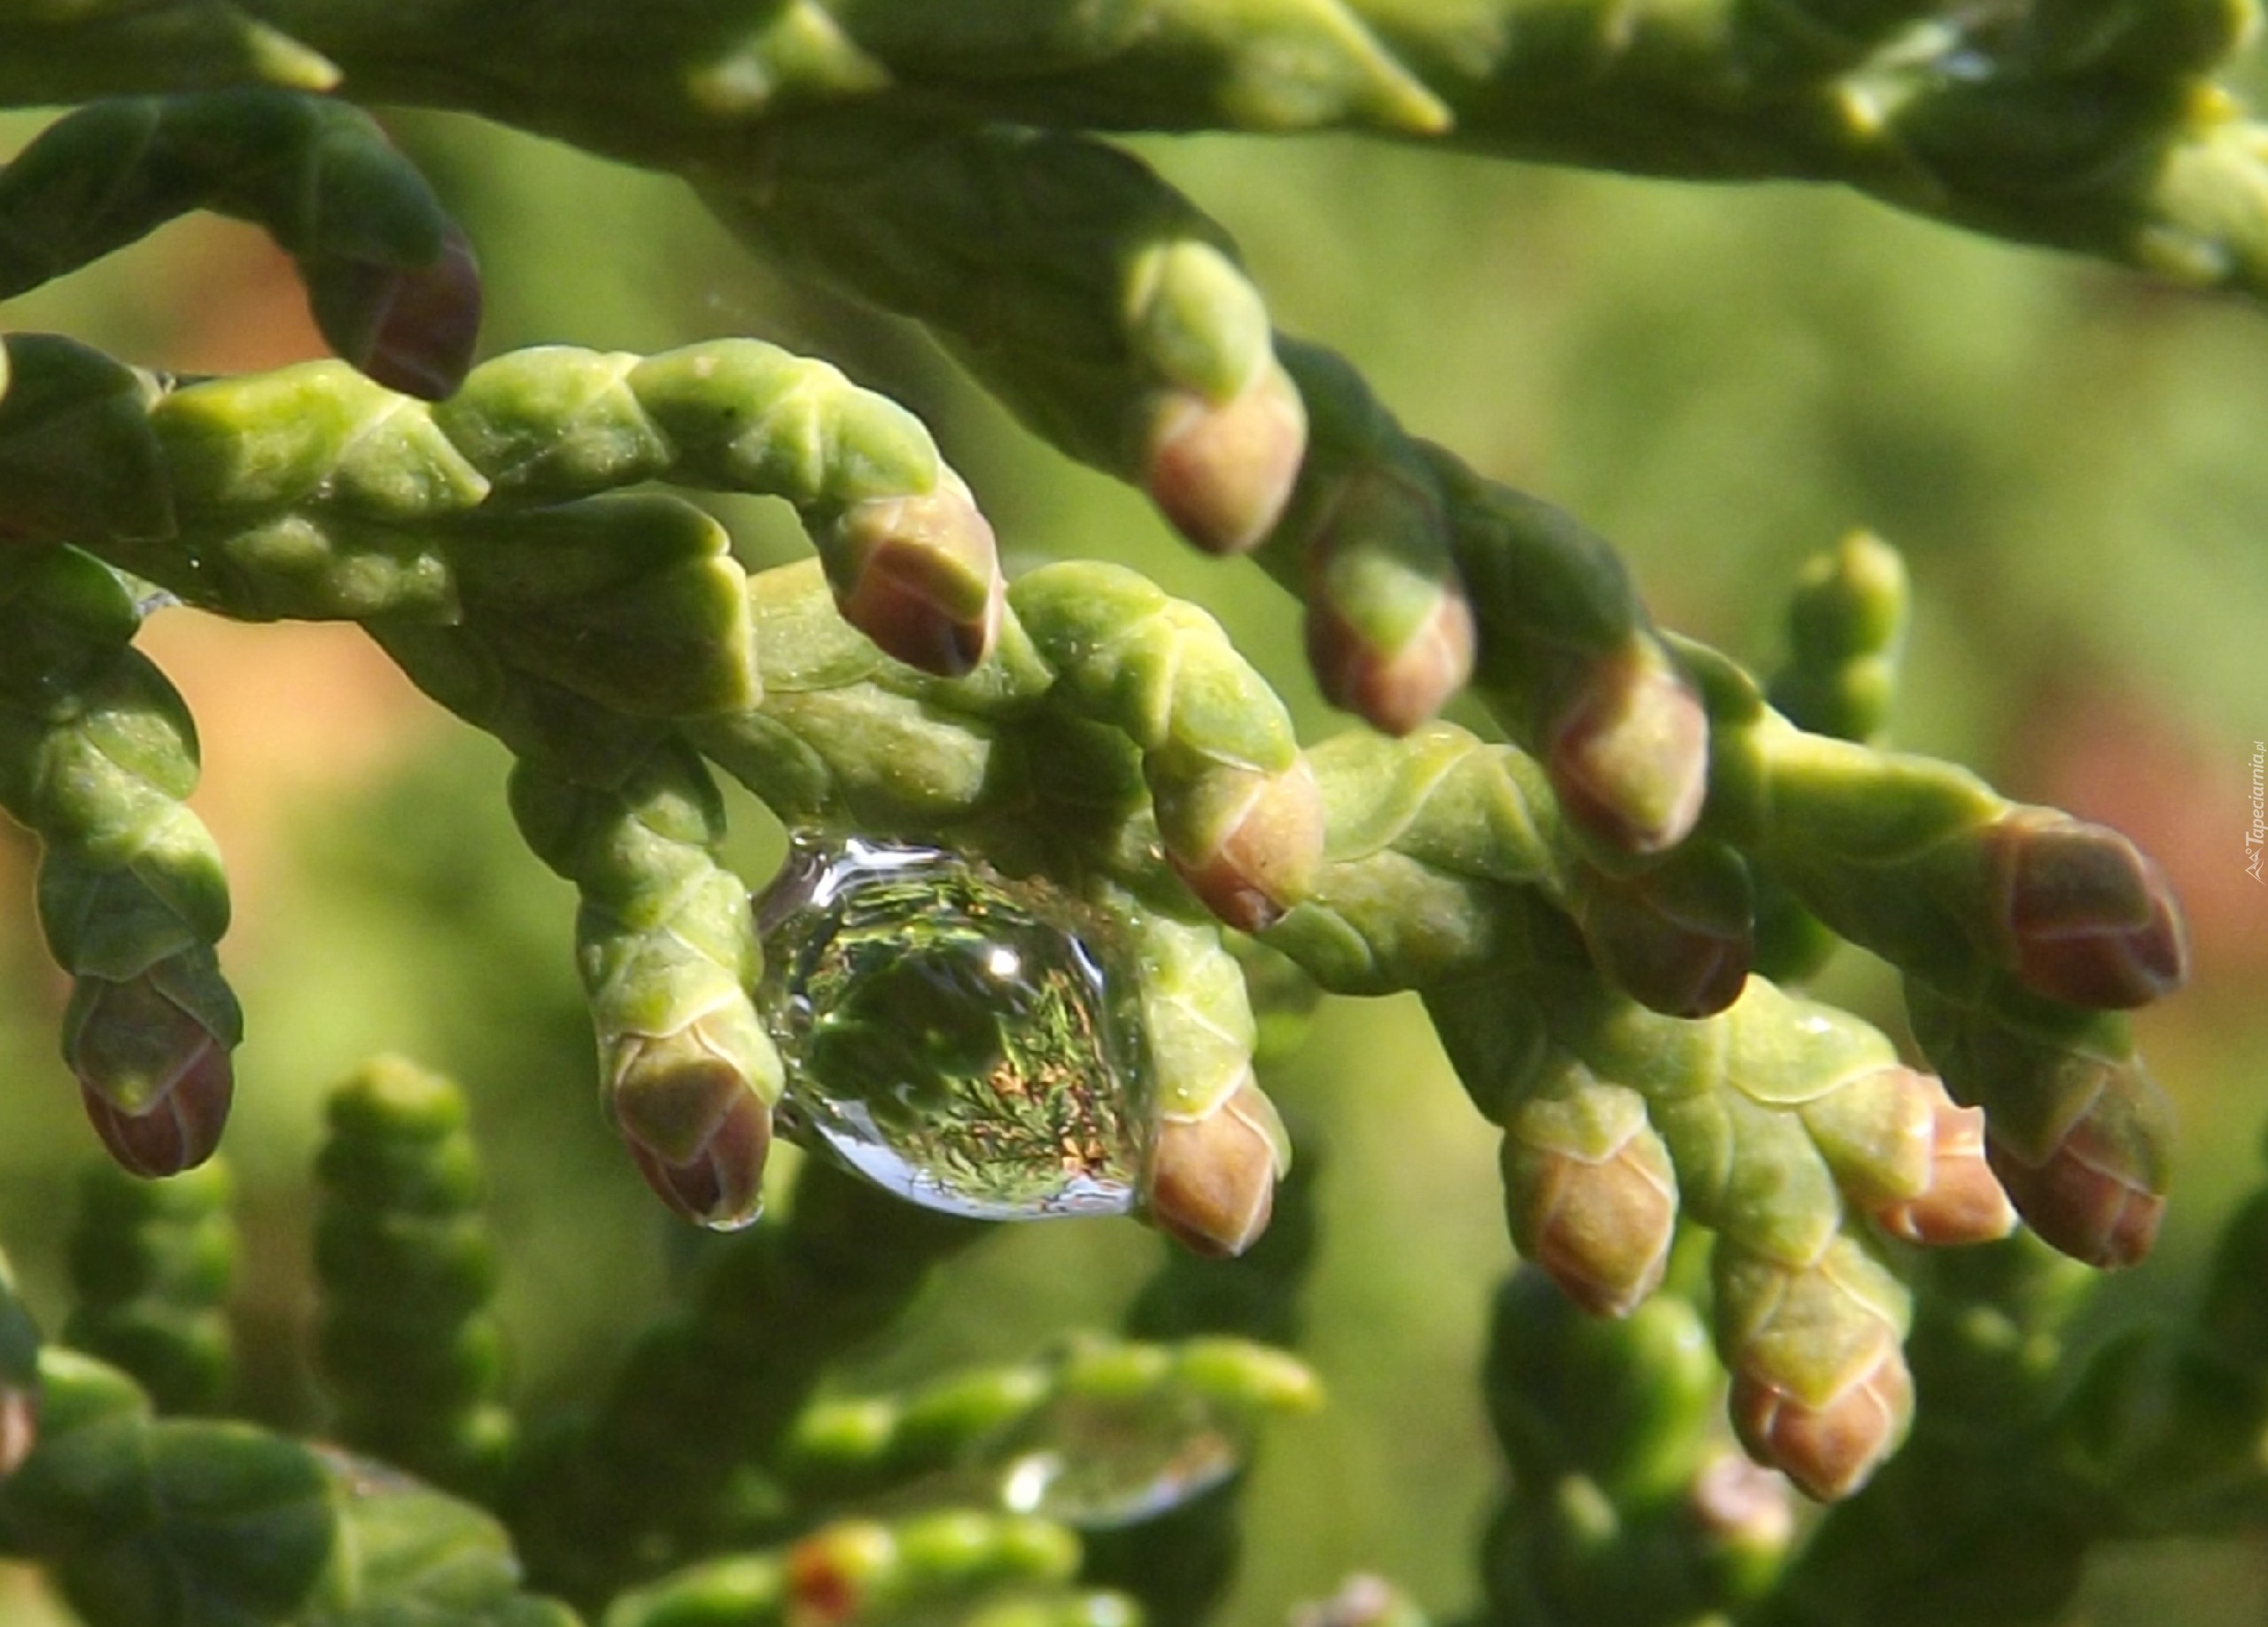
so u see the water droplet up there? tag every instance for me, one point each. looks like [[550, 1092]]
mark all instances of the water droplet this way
[[1100, 1461], [957, 1037]]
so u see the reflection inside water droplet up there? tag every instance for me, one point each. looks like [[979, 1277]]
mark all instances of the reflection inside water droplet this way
[[957, 1037], [1100, 1462]]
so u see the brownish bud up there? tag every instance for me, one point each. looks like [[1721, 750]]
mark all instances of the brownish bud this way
[[1213, 1180], [1679, 939], [832, 1573], [1362, 1600], [698, 1131], [2087, 1199], [1262, 841], [19, 1427], [1390, 630], [1222, 471], [1964, 1202], [1599, 1227], [2087, 917], [410, 329], [1832, 1448], [1627, 753], [1394, 690], [920, 576], [1741, 1512], [156, 1080]]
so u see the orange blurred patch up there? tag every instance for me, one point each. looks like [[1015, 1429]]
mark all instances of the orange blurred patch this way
[[284, 710], [238, 303]]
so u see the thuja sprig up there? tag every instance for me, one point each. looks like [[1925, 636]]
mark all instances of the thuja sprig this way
[[1982, 1501], [1083, 1436], [1779, 1123], [390, 278], [166, 1523], [516, 590], [96, 755], [314, 493], [2036, 1447], [968, 1562], [1570, 945], [151, 1262], [2024, 934], [668, 952], [2098, 126], [1625, 1508], [410, 1357]]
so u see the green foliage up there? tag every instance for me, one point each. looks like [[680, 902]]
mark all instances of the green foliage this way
[[1602, 882]]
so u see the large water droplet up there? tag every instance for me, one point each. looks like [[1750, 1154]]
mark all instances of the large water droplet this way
[[1102, 1461], [957, 1037]]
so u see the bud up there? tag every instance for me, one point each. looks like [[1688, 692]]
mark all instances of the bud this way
[[2078, 1129], [1401, 690], [698, 1127], [1213, 1180], [1742, 1525], [1964, 1202], [1590, 1196], [1845, 624], [411, 329], [20, 1381], [1222, 471], [1832, 1447], [1820, 1389], [1248, 843], [1627, 750], [1677, 939], [151, 1057], [1362, 1600], [832, 1572], [2084, 915], [19, 1427], [1390, 632], [2099, 1194], [920, 576]]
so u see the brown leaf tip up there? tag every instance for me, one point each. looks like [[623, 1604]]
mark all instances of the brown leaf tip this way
[[1400, 691], [2084, 1199], [1222, 472], [19, 1427], [1213, 1180], [2089, 919], [1964, 1202], [1600, 1229], [920, 577], [1832, 1449], [409, 329], [1628, 755], [1265, 858], [1682, 950], [156, 1083], [697, 1132]]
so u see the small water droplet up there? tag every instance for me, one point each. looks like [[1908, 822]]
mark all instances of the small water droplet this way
[[1103, 1461], [959, 1037]]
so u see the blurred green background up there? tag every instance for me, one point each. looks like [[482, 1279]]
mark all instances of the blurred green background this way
[[1719, 379]]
